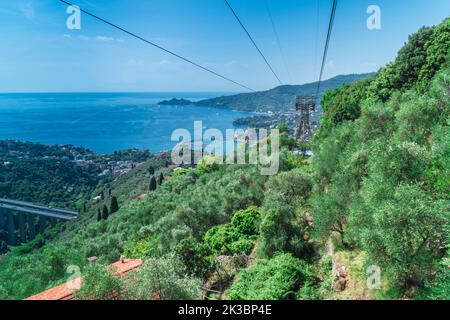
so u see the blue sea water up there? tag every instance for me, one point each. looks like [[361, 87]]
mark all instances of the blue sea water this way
[[105, 122]]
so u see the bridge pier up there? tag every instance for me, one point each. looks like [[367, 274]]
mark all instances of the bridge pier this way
[[2, 225], [42, 224], [31, 227], [21, 221], [2, 218], [11, 229], [22, 230], [53, 222]]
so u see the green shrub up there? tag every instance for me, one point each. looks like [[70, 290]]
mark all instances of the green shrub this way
[[209, 164], [180, 172], [196, 257], [242, 246], [275, 279], [100, 283], [437, 53], [284, 223], [402, 232], [438, 174], [218, 238], [342, 104], [439, 289], [136, 250], [162, 278], [237, 236], [246, 222]]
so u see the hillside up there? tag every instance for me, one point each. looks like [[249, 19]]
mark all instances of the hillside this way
[[279, 99], [368, 217], [59, 175], [381, 169]]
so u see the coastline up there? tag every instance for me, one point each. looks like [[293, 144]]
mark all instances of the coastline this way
[[103, 123]]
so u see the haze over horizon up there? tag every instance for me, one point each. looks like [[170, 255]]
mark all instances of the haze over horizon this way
[[179, 94], [41, 55]]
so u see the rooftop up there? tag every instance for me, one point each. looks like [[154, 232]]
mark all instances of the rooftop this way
[[64, 292]]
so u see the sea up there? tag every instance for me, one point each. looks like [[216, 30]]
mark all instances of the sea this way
[[106, 122]]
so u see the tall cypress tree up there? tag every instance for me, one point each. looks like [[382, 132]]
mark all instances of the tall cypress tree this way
[[99, 215], [105, 213], [151, 170], [153, 184], [161, 178], [114, 205]]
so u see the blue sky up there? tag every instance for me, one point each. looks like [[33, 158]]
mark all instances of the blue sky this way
[[39, 53]]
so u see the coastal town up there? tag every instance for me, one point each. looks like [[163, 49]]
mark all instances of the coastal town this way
[[116, 164]]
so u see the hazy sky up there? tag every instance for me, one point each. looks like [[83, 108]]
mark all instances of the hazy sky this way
[[38, 52]]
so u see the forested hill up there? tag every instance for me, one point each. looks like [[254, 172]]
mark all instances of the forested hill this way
[[281, 98], [381, 168], [59, 175]]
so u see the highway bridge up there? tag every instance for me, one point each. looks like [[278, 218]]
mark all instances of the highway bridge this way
[[21, 221]]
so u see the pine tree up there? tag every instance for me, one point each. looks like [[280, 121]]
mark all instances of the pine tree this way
[[114, 205], [105, 213], [151, 170], [99, 215], [153, 184], [161, 178]]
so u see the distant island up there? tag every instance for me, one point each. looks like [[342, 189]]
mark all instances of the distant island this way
[[175, 102]]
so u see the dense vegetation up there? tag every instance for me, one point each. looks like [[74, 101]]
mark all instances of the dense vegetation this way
[[375, 193], [381, 169]]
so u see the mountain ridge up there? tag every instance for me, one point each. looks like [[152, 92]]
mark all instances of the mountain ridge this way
[[280, 98]]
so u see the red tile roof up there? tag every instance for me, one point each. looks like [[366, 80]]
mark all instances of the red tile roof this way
[[63, 292], [124, 266]]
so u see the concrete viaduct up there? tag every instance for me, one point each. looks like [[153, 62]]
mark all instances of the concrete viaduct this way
[[21, 221]]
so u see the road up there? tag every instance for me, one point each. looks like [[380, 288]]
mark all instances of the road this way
[[26, 207]]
